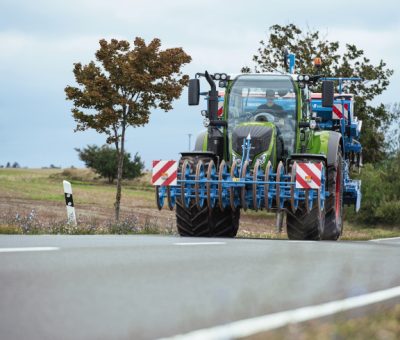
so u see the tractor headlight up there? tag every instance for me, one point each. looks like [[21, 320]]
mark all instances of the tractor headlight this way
[[300, 78], [204, 113], [223, 76], [306, 78], [217, 76], [206, 122]]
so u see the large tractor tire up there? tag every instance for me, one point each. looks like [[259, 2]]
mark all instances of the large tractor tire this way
[[196, 222], [193, 221], [303, 225], [334, 203]]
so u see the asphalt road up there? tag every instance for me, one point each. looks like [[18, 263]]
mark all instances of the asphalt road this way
[[145, 287]]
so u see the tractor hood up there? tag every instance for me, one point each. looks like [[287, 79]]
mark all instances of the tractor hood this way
[[262, 138]]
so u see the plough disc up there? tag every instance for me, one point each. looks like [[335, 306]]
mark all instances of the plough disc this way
[[267, 179], [171, 199], [294, 200], [321, 193], [280, 171], [257, 188], [233, 192], [212, 188], [222, 175], [200, 185], [159, 197], [185, 188]]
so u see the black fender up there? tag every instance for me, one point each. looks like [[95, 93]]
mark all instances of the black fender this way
[[335, 141]]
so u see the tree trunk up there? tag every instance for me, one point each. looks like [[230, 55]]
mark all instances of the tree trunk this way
[[119, 174]]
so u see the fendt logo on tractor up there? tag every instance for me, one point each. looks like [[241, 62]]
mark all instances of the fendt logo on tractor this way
[[269, 144]]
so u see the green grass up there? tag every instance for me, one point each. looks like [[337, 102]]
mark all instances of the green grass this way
[[46, 185], [350, 233], [43, 187], [30, 184], [383, 323], [41, 191], [362, 232]]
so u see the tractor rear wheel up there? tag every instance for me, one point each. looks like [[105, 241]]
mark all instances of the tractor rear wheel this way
[[204, 222], [334, 203]]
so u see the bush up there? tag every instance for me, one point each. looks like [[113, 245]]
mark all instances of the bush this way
[[380, 193], [389, 212], [103, 160], [73, 174]]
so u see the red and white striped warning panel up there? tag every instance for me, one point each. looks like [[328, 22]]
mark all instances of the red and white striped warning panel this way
[[340, 110], [164, 173], [220, 111], [308, 175]]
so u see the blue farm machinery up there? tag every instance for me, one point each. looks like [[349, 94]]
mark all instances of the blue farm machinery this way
[[270, 143]]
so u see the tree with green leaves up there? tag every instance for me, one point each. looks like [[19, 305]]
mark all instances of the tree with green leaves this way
[[122, 87], [394, 132], [104, 161], [350, 63]]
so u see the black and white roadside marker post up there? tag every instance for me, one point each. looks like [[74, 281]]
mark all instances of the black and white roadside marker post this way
[[69, 202]]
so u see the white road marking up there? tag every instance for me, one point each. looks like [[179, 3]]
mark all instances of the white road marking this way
[[385, 239], [198, 243], [248, 327], [21, 249]]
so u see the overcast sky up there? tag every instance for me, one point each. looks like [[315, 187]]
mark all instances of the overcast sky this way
[[40, 40]]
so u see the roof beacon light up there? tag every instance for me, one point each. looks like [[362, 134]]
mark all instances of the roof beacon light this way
[[317, 62]]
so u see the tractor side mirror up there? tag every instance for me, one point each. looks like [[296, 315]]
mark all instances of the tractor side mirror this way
[[194, 92], [328, 91]]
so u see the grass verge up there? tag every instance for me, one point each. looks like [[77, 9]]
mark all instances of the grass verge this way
[[383, 324], [31, 225]]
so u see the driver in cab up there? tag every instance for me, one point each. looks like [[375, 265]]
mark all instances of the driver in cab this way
[[270, 104]]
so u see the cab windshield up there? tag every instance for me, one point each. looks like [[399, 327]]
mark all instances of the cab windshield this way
[[265, 98]]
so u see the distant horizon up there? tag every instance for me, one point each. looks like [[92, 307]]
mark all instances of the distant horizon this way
[[53, 167]]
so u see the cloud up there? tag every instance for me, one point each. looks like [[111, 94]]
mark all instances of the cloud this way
[[41, 40], [383, 44]]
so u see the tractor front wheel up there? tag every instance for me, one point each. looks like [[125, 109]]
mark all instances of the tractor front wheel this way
[[204, 222], [305, 224]]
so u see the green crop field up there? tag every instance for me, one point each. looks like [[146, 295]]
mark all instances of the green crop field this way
[[32, 201]]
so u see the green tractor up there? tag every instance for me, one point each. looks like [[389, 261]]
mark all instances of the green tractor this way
[[269, 144]]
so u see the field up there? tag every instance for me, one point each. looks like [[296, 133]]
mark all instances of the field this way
[[32, 201]]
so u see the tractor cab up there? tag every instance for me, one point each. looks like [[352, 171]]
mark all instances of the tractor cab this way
[[264, 106]]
